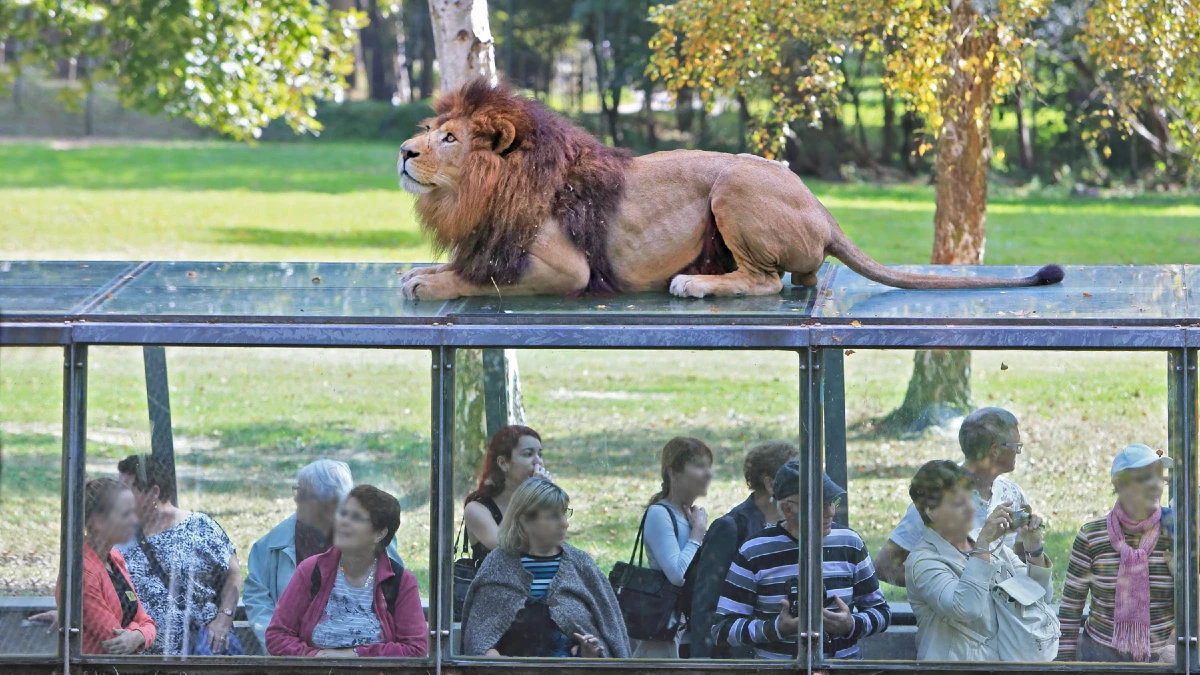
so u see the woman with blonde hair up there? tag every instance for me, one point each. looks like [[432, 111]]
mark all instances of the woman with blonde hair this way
[[536, 595]]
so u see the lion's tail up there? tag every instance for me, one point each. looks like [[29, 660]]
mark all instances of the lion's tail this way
[[849, 253]]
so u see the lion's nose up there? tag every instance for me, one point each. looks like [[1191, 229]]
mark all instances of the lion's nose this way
[[407, 154]]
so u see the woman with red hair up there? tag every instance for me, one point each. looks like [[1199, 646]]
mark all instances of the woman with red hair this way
[[513, 455]]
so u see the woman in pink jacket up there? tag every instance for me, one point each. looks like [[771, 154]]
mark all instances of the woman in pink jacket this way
[[353, 600]]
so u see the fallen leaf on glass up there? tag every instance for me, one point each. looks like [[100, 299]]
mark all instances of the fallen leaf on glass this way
[[1003, 366], [316, 280], [191, 275], [1087, 295], [856, 323], [848, 352]]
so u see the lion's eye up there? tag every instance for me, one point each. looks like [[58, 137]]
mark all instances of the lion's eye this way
[[450, 138]]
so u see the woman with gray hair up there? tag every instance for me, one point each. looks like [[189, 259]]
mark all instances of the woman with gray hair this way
[[538, 596], [319, 489]]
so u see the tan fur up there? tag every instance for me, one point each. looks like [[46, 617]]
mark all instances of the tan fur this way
[[765, 215]]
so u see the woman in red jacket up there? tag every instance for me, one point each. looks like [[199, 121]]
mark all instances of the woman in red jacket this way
[[352, 600], [114, 621]]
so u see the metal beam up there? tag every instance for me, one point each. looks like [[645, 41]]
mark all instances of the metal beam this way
[[833, 396], [71, 535], [158, 403]]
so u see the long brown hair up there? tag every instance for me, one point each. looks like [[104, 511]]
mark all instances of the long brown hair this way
[[491, 478], [675, 456]]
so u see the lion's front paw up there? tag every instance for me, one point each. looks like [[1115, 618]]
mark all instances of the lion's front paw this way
[[688, 286], [436, 286], [418, 272]]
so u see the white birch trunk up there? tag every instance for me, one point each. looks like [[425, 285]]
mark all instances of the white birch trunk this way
[[463, 38]]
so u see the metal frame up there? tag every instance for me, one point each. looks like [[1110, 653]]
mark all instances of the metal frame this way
[[818, 415]]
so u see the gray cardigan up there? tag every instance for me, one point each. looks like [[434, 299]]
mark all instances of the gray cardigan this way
[[581, 601]]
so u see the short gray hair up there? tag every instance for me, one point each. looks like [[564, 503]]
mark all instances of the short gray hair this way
[[984, 428], [327, 479], [534, 496]]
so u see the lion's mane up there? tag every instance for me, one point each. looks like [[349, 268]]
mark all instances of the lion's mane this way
[[552, 169]]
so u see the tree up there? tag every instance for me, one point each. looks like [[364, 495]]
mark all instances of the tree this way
[[620, 32], [232, 66], [952, 60], [463, 38]]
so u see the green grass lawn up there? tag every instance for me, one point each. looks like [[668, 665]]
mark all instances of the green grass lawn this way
[[245, 419]]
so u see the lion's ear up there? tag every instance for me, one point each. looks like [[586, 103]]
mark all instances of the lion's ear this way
[[506, 134]]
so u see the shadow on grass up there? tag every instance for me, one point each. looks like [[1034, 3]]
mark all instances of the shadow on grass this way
[[262, 236], [30, 465]]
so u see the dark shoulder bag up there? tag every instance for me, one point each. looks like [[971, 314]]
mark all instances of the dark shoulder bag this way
[[464, 571], [646, 597]]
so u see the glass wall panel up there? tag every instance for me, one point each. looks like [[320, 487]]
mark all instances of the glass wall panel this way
[[597, 425], [993, 501], [260, 502], [31, 415]]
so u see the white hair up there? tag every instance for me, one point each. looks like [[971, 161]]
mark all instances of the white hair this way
[[327, 479]]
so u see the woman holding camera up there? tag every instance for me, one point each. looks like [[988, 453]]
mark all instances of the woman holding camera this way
[[950, 575]]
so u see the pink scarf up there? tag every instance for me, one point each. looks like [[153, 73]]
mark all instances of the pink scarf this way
[[1131, 615]]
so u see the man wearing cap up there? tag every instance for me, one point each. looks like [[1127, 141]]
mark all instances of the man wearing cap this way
[[1132, 621], [755, 605], [990, 440]]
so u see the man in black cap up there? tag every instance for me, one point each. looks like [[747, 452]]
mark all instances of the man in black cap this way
[[754, 609]]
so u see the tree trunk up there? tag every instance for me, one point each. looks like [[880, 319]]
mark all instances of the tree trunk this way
[[908, 131], [743, 121], [463, 40], [888, 152], [1026, 146], [377, 56], [651, 136], [402, 64], [614, 114], [684, 112], [465, 52], [940, 388]]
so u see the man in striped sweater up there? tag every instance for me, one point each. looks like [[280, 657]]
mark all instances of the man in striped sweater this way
[[754, 607]]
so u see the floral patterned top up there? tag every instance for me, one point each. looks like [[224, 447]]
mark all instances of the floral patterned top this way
[[195, 557]]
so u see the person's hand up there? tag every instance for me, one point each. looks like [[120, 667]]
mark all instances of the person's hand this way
[[998, 524], [698, 519], [218, 633], [589, 646], [1032, 534], [541, 472], [838, 622], [49, 617], [124, 642], [492, 652], [343, 653], [787, 624]]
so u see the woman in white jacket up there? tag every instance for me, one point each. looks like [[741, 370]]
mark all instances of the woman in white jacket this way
[[951, 572]]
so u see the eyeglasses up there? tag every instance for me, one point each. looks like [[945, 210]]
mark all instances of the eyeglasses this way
[[1017, 446], [565, 515], [834, 503]]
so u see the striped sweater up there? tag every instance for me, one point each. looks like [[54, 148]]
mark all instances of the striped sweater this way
[[1093, 569], [760, 576]]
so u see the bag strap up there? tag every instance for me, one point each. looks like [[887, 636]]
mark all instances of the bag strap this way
[[639, 542], [461, 526], [156, 567]]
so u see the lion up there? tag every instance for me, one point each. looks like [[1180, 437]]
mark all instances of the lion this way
[[524, 202]]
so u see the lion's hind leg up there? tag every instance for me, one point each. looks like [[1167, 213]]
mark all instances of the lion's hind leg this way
[[736, 283]]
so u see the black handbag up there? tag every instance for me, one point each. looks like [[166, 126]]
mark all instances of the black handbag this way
[[647, 599], [464, 572]]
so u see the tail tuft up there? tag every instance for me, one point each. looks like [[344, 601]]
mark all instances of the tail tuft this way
[[1048, 275]]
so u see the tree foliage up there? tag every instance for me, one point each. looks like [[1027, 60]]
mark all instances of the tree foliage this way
[[789, 52], [230, 65], [1145, 55]]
